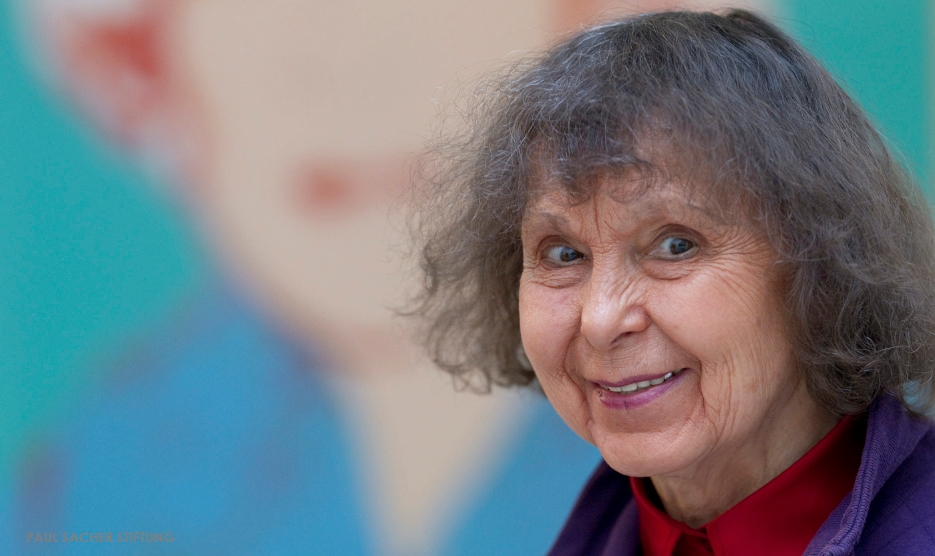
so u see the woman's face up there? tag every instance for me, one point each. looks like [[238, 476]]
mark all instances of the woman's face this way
[[656, 329]]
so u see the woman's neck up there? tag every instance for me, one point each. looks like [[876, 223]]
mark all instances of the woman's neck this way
[[712, 487]]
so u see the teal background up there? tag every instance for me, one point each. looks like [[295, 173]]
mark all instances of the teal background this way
[[94, 254], [881, 51]]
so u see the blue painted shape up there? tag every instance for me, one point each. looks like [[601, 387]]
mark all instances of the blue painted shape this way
[[224, 434]]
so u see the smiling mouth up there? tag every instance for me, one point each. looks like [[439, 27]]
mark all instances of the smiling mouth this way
[[643, 384]]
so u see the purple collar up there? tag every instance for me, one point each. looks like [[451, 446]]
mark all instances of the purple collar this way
[[892, 435]]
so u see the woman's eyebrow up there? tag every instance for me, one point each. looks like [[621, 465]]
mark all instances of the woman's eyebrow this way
[[537, 216]]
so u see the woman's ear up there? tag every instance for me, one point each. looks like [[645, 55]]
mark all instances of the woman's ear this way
[[113, 66]]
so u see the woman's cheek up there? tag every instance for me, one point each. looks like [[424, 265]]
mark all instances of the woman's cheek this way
[[546, 327]]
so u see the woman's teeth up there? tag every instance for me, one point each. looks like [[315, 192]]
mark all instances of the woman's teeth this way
[[642, 385]]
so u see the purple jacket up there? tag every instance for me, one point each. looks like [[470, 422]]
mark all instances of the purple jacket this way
[[890, 512]]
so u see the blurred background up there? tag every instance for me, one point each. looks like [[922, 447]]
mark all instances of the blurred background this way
[[202, 237]]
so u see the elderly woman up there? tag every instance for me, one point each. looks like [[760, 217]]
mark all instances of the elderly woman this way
[[684, 231]]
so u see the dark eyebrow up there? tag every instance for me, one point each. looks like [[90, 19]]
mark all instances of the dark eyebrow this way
[[556, 220]]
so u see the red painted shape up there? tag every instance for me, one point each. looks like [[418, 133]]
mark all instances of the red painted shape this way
[[116, 69]]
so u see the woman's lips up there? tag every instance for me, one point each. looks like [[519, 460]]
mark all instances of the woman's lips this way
[[639, 383], [638, 391]]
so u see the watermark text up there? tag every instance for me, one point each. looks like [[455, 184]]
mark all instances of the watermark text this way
[[99, 536]]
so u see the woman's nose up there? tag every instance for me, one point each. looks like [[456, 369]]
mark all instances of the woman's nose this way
[[612, 310]]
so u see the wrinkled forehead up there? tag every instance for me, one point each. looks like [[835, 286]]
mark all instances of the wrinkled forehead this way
[[650, 177]]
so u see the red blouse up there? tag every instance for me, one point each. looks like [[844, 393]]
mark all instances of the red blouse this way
[[779, 519]]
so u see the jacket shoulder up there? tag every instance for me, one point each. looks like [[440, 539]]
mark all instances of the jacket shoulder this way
[[901, 520]]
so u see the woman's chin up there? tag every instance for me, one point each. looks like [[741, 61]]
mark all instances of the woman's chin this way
[[657, 442], [646, 457]]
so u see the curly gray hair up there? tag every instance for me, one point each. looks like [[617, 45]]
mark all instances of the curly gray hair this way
[[735, 105]]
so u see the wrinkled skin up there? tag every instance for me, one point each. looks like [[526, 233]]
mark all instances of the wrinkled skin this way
[[628, 287]]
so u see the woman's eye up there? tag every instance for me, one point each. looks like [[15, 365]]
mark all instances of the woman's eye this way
[[676, 246], [563, 255]]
